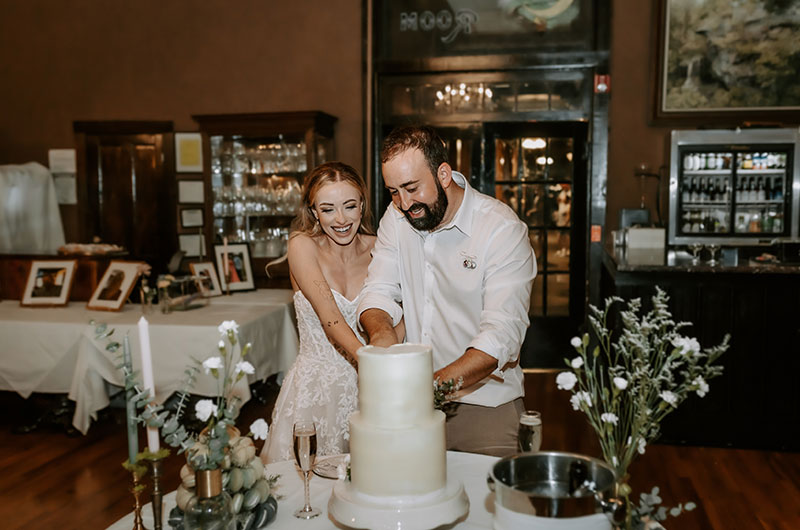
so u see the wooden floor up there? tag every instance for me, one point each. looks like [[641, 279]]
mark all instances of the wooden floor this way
[[49, 479]]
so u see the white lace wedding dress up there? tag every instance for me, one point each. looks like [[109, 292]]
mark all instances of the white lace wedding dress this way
[[321, 385]]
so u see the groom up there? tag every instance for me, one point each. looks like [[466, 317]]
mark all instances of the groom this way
[[457, 265]]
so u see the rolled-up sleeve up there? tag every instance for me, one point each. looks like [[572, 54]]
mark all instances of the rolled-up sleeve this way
[[510, 270], [382, 288]]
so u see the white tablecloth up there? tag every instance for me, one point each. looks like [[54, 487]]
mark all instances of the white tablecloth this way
[[470, 469], [55, 350]]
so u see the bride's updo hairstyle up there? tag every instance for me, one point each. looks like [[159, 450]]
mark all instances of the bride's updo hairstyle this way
[[327, 173]]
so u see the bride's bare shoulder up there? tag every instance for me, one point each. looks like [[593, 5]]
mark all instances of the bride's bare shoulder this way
[[302, 244]]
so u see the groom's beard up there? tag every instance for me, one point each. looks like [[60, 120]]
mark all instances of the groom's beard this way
[[433, 213]]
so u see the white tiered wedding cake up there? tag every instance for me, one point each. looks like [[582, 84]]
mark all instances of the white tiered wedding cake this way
[[398, 456]]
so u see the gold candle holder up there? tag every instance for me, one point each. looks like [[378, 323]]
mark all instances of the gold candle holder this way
[[228, 283], [157, 495], [138, 524]]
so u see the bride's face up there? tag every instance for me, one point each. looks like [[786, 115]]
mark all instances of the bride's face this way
[[337, 206]]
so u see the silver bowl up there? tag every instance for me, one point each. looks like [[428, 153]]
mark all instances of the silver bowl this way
[[555, 484]]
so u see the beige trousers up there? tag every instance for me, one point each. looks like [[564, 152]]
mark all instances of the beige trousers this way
[[484, 430]]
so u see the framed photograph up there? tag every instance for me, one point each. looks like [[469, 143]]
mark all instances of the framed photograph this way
[[190, 191], [115, 286], [233, 261], [188, 153], [192, 244], [206, 268], [191, 217], [726, 66], [49, 283]]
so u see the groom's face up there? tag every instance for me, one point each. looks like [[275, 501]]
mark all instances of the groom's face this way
[[414, 190]]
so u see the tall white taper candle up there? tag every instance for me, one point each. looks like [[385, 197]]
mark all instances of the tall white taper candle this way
[[153, 442]]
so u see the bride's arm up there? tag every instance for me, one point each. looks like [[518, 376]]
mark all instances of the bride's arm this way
[[307, 274]]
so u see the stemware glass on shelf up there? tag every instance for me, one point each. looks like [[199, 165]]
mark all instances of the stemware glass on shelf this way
[[305, 452], [713, 249], [695, 249]]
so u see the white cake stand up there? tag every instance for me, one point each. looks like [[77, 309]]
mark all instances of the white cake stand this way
[[354, 510]]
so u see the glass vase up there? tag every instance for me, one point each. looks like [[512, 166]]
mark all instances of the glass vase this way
[[211, 508]]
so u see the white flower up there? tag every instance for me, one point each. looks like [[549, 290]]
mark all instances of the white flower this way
[[204, 409], [260, 429], [621, 383], [246, 367], [566, 380], [702, 386], [228, 325], [642, 444], [576, 342], [221, 345], [686, 345], [577, 362], [212, 363], [609, 417], [578, 397], [669, 397], [341, 469]]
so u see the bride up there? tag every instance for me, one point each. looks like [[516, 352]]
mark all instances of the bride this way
[[329, 252]]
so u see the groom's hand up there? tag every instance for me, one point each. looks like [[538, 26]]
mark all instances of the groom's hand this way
[[378, 325]]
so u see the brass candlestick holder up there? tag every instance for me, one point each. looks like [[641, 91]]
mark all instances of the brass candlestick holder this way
[[228, 283], [137, 503], [157, 494]]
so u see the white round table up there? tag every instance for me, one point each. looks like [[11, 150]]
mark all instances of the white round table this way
[[470, 469]]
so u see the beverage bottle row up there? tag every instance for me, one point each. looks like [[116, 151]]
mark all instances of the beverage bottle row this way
[[768, 220], [698, 161], [705, 221], [762, 161], [760, 188], [705, 189]]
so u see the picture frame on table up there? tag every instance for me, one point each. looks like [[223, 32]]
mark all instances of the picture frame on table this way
[[49, 283], [724, 67], [115, 286], [206, 268], [188, 152], [239, 264]]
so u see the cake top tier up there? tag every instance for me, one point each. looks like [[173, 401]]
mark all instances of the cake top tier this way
[[395, 385]]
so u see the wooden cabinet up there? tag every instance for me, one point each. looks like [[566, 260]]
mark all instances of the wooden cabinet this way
[[126, 189], [254, 166], [755, 403]]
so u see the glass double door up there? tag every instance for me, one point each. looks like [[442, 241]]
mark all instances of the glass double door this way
[[540, 171]]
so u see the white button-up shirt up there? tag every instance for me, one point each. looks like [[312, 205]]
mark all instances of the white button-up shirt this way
[[464, 285]]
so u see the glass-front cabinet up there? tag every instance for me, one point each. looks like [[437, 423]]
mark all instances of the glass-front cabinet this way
[[254, 170], [734, 187]]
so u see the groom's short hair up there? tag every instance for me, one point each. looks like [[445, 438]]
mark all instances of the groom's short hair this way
[[424, 138]]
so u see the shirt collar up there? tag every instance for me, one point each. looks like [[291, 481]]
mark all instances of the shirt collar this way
[[463, 217]]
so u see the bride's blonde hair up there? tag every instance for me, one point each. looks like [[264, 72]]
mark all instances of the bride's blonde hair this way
[[327, 173], [305, 222]]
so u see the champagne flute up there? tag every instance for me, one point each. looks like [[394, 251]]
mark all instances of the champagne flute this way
[[529, 435], [305, 452]]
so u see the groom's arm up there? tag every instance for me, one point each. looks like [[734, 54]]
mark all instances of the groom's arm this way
[[378, 325]]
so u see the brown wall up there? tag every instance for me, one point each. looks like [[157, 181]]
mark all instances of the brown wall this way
[[632, 140], [62, 61]]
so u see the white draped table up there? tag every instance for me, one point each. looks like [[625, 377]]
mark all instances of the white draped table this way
[[470, 469], [54, 350]]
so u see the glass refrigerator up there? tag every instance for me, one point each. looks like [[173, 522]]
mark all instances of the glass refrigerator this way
[[734, 187]]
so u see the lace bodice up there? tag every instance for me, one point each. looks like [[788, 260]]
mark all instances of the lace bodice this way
[[321, 385]]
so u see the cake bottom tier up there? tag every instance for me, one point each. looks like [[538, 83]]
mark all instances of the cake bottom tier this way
[[398, 463]]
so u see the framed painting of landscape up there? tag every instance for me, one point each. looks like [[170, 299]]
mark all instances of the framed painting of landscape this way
[[723, 62]]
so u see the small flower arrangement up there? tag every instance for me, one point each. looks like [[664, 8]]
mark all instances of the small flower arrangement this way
[[444, 392], [626, 386], [219, 445]]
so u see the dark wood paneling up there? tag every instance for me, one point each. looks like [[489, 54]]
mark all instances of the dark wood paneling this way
[[754, 404]]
